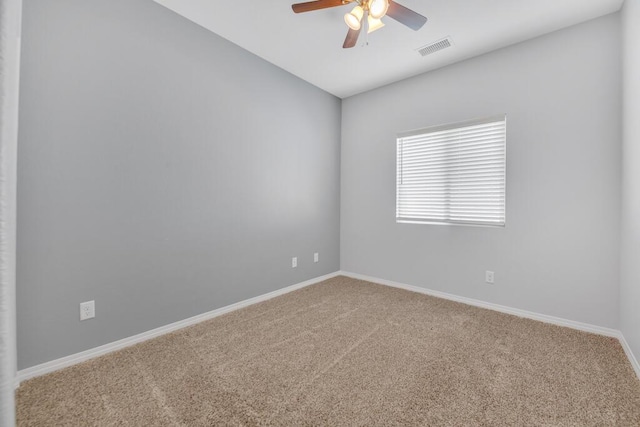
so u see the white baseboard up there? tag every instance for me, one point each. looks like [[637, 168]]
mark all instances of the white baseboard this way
[[586, 327], [630, 355], [73, 359], [491, 306]]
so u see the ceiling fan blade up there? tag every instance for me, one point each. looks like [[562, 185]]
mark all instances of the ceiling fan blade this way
[[315, 5], [352, 38], [406, 16]]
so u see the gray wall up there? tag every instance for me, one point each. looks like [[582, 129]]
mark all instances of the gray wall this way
[[163, 172], [630, 277], [559, 252]]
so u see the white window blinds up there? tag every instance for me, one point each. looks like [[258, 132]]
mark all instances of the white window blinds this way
[[453, 174]]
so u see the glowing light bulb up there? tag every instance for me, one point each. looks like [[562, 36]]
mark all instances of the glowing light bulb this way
[[378, 8], [374, 24], [353, 19]]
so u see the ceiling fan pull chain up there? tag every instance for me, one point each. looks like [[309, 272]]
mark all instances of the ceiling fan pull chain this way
[[365, 27]]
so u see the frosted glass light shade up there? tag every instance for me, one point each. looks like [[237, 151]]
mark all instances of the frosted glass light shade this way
[[353, 18], [378, 8], [374, 24]]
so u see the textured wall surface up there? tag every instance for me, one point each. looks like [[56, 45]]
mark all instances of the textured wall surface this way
[[559, 252], [630, 272], [163, 172]]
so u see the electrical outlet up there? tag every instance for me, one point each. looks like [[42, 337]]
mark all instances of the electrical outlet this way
[[294, 262], [316, 257], [87, 310], [488, 276]]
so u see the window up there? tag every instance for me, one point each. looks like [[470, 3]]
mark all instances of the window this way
[[453, 174]]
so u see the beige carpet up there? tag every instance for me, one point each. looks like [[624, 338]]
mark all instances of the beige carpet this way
[[347, 352]]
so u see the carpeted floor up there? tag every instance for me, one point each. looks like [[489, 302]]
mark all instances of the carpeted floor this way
[[347, 352]]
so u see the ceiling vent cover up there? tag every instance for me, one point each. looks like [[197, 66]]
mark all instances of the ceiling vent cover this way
[[435, 47]]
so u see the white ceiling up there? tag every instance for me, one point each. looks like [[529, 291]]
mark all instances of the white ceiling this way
[[309, 45]]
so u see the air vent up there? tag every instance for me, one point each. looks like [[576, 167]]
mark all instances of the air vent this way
[[434, 47]]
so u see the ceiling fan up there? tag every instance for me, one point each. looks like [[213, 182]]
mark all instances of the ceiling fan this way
[[372, 10]]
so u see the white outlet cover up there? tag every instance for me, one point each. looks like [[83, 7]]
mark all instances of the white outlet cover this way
[[87, 310], [489, 276], [316, 257], [294, 262]]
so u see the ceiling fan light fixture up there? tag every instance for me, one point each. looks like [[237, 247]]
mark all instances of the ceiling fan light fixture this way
[[378, 8], [353, 18], [374, 24]]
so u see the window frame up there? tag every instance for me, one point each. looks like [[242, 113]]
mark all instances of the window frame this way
[[446, 127]]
